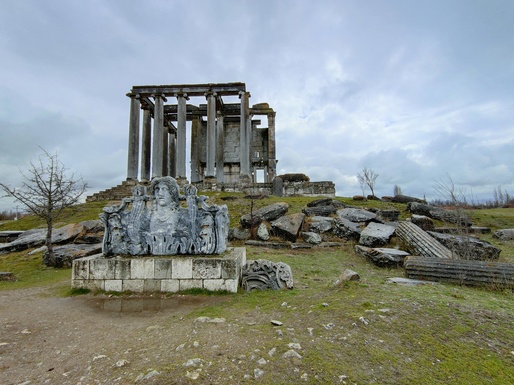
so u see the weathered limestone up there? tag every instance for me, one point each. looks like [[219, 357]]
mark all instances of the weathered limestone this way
[[263, 232], [288, 226], [464, 272], [450, 216], [376, 234], [423, 222], [157, 142], [346, 229], [165, 228], [310, 237], [263, 274], [181, 135], [267, 213], [504, 234], [133, 145], [320, 224], [383, 257], [419, 242], [160, 274], [320, 210], [356, 215], [467, 247]]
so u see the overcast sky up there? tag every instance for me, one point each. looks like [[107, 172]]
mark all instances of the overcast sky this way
[[414, 90]]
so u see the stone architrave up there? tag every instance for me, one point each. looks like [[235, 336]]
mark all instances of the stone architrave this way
[[263, 274], [159, 225], [288, 226], [376, 234]]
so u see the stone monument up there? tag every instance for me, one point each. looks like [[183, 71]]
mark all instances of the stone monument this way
[[164, 241], [157, 224]]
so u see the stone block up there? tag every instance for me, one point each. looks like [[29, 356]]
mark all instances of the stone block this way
[[162, 268], [230, 285], [152, 285], [142, 268], [134, 285], [170, 285], [113, 285], [182, 268], [229, 268], [81, 269], [122, 269], [206, 268], [186, 284], [102, 268]]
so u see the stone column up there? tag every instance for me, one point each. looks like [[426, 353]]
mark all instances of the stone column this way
[[211, 134], [158, 132], [146, 150], [244, 145], [165, 149], [133, 141], [272, 155], [172, 155], [181, 135], [195, 150], [220, 148]]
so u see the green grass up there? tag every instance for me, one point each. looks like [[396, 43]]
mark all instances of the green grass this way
[[430, 334], [30, 271]]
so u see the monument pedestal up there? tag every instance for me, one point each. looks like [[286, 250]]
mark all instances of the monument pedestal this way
[[169, 274]]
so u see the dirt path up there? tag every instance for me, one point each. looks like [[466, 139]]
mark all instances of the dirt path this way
[[93, 339]]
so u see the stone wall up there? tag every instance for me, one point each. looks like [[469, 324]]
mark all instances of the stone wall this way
[[160, 274]]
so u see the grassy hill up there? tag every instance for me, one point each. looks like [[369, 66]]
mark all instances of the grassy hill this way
[[360, 332]]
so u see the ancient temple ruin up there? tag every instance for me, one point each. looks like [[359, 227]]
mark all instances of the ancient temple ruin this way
[[227, 144], [231, 144]]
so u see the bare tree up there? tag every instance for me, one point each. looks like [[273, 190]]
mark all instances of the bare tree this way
[[46, 191], [367, 177], [397, 190]]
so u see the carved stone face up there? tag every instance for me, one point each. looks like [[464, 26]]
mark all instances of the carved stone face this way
[[163, 195]]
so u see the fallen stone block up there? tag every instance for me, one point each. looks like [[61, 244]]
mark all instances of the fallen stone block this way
[[320, 224], [267, 213], [467, 247], [383, 257], [288, 226], [504, 234], [494, 275], [356, 215], [346, 229], [376, 234]]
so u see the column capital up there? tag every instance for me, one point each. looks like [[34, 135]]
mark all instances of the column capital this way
[[181, 94], [133, 96], [162, 96], [241, 93], [210, 93]]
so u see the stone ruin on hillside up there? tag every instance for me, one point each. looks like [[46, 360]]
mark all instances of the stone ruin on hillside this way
[[230, 150]]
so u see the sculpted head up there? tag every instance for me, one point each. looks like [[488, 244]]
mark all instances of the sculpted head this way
[[165, 190]]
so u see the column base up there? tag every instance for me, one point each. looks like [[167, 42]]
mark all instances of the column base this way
[[245, 179]]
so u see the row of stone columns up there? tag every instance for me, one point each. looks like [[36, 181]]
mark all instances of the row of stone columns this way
[[163, 153]]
